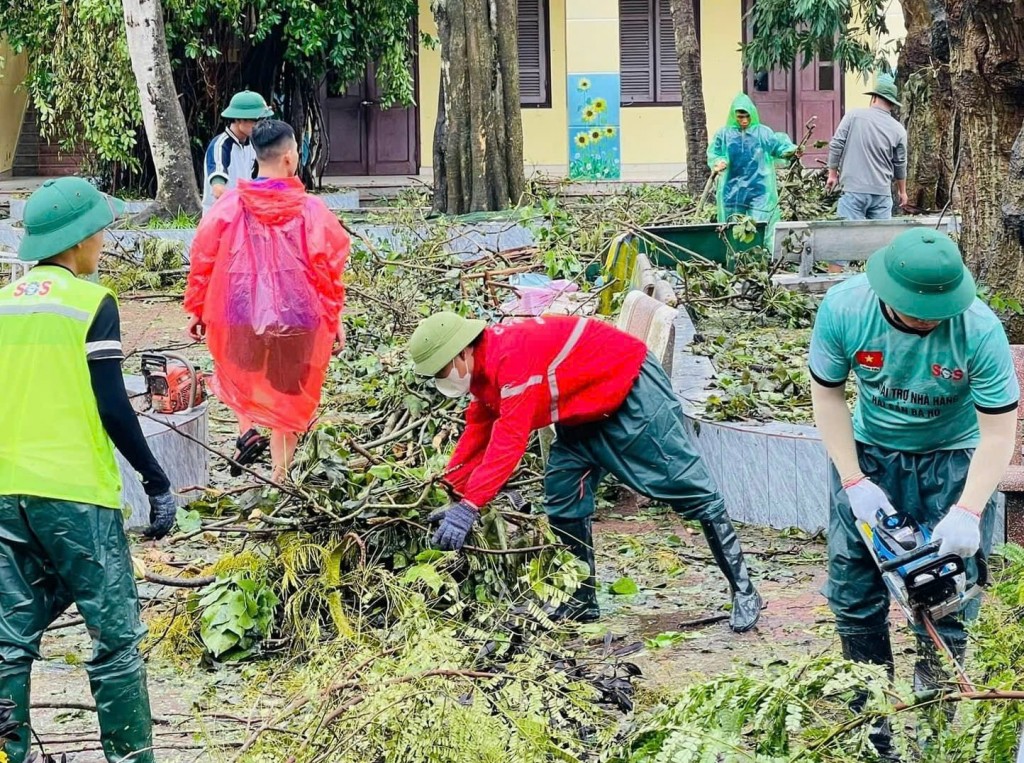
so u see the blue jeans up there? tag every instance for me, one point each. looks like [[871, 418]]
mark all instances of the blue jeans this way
[[865, 206]]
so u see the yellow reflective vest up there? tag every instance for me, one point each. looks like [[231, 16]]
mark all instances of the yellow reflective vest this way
[[52, 442]]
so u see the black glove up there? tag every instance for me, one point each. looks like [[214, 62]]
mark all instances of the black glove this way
[[162, 512], [456, 522]]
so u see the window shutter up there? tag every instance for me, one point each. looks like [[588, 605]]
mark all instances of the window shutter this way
[[532, 44], [668, 89], [636, 50]]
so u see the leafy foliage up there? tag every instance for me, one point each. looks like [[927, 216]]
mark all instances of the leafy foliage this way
[[237, 614], [800, 711], [788, 33], [81, 82]]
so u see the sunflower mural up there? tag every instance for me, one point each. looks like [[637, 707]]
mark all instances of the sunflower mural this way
[[594, 149]]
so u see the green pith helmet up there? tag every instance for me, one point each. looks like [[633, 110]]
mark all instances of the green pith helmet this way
[[247, 105], [64, 212], [439, 338], [921, 274], [885, 87]]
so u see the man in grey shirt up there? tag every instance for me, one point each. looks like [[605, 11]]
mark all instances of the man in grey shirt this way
[[869, 151]]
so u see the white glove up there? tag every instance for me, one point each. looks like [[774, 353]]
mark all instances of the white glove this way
[[960, 533], [866, 498]]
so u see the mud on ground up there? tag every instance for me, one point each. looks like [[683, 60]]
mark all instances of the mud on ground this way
[[666, 558]]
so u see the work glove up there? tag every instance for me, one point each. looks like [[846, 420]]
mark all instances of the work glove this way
[[162, 512], [456, 522], [866, 498], [960, 533]]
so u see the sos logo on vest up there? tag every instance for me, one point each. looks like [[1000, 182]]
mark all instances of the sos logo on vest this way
[[941, 372], [33, 289]]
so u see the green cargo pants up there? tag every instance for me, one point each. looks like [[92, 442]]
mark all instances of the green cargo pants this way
[[644, 444], [921, 485], [53, 553]]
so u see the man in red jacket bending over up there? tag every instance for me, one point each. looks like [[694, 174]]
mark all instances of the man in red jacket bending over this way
[[614, 411]]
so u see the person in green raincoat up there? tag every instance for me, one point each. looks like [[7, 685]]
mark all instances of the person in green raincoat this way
[[930, 437], [745, 152]]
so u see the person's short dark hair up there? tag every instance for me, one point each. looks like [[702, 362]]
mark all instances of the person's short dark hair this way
[[270, 137]]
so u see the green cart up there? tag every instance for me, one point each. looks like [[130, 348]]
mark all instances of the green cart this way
[[668, 245]]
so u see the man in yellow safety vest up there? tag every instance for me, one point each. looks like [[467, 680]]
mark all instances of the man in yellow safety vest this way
[[64, 408]]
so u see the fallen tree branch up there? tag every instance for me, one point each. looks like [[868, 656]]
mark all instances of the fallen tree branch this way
[[175, 582]]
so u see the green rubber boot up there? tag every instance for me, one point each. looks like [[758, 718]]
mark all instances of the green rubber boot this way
[[16, 687], [578, 535], [126, 724]]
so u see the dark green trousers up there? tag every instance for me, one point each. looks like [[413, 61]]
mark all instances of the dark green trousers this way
[[644, 444], [922, 485], [53, 553]]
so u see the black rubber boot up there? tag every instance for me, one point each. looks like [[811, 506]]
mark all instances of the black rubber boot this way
[[578, 535], [875, 649], [14, 687], [725, 547]]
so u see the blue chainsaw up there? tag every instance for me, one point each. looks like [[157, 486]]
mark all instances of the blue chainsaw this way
[[926, 585]]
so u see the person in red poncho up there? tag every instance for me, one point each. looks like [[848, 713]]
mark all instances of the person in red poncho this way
[[614, 412], [265, 290]]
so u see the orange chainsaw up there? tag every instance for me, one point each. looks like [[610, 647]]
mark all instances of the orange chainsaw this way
[[173, 384]]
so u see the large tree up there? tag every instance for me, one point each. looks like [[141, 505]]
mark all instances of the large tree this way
[[986, 93], [695, 121], [82, 84], [927, 110], [161, 113], [478, 142]]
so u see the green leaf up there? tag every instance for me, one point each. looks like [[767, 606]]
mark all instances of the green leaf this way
[[428, 555], [624, 587], [381, 471], [427, 573], [188, 521]]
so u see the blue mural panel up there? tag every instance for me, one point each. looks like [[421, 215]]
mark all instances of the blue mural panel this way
[[594, 144]]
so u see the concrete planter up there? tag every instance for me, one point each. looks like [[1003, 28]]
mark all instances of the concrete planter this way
[[339, 200], [185, 463], [769, 474]]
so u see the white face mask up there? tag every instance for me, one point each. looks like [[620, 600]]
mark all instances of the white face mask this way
[[454, 384]]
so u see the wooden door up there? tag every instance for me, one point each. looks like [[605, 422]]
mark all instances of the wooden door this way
[[818, 94], [367, 139], [347, 129], [787, 99]]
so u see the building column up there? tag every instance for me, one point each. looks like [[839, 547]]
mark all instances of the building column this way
[[592, 89]]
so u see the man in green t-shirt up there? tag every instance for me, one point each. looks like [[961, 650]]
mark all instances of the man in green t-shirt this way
[[931, 434]]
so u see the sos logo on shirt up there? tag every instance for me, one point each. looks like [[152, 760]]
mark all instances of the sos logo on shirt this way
[[33, 289], [941, 372]]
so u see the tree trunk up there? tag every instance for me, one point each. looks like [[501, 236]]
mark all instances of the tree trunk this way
[[987, 50], [695, 122], [927, 109], [480, 130], [161, 113]]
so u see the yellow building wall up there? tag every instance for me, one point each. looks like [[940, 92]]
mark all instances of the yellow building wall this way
[[584, 38], [12, 104], [544, 129], [654, 134]]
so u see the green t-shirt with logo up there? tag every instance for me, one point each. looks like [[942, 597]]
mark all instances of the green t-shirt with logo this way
[[916, 392]]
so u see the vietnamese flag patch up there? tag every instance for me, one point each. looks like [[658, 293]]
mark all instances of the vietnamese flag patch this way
[[869, 359]]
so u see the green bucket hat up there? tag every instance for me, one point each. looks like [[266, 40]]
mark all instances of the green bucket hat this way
[[64, 212], [247, 105], [921, 274], [439, 338], [885, 87]]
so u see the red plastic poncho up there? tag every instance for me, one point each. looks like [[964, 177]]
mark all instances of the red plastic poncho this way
[[266, 279]]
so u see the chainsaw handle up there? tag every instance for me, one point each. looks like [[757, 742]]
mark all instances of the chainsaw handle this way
[[911, 556], [193, 378]]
